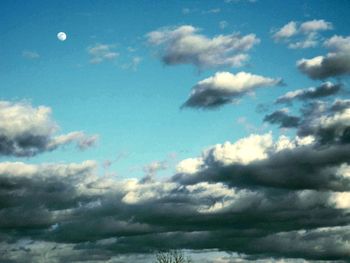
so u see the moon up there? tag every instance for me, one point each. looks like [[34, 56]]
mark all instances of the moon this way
[[61, 36]]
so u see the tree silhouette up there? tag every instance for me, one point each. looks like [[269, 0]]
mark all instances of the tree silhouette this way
[[173, 256]]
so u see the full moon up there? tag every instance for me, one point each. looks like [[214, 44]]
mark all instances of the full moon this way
[[61, 36]]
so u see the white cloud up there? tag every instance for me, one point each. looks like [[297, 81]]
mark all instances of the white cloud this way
[[223, 24], [243, 151], [338, 43], [184, 45], [30, 54], [190, 165], [21, 169], [133, 64], [315, 25], [286, 31], [223, 87], [101, 52], [302, 35], [27, 131], [335, 63]]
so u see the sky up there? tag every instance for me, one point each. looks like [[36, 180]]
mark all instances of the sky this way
[[220, 128]]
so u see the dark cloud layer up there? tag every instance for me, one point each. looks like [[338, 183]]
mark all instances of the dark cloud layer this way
[[256, 196]]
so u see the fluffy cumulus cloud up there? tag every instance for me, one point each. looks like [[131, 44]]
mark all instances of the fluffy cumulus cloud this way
[[225, 87], [301, 35], [26, 131], [324, 90], [334, 64], [101, 52], [185, 45]]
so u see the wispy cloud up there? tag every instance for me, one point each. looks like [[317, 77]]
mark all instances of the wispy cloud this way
[[102, 52], [301, 35], [30, 54], [133, 64]]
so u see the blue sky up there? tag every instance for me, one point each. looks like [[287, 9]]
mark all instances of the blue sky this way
[[137, 111], [111, 79]]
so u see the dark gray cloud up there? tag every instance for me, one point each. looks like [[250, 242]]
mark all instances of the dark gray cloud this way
[[306, 167], [225, 87], [235, 201], [27, 131], [334, 64], [329, 123], [282, 118], [258, 196], [184, 45], [322, 67], [324, 90]]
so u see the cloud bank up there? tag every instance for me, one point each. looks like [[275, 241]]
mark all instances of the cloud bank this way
[[255, 196]]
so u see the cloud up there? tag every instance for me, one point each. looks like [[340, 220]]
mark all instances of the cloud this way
[[30, 54], [63, 202], [185, 11], [153, 168], [315, 25], [223, 24], [329, 123], [101, 52], [237, 1], [334, 64], [184, 45], [301, 35], [297, 165], [133, 65], [212, 11], [338, 43], [324, 90], [322, 67], [240, 197], [261, 197], [286, 31], [225, 87], [27, 131], [282, 118]]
